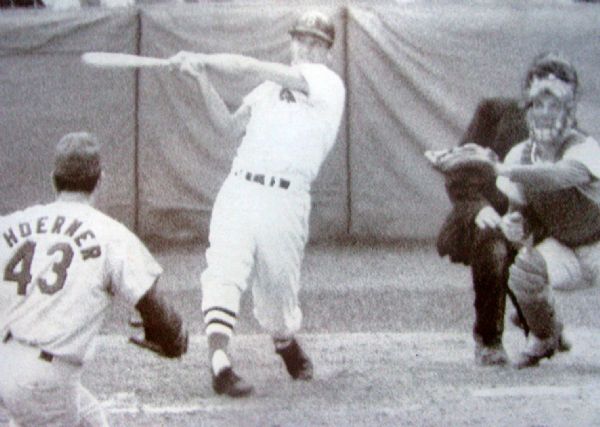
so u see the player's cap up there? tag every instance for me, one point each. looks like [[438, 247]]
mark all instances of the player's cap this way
[[315, 23], [77, 157]]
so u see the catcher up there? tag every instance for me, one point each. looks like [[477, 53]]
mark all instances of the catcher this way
[[66, 263], [499, 239], [552, 177]]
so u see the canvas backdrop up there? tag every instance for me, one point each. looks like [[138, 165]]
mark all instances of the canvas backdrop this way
[[414, 73]]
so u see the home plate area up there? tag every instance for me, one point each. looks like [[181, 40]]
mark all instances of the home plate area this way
[[427, 378]]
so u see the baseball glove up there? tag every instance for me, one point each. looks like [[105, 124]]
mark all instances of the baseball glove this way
[[175, 349], [470, 156]]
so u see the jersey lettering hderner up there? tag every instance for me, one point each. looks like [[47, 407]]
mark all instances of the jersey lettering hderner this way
[[289, 133], [61, 264]]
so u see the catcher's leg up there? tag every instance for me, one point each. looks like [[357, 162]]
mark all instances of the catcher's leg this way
[[528, 279], [489, 269]]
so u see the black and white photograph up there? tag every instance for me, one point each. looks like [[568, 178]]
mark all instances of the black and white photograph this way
[[299, 213]]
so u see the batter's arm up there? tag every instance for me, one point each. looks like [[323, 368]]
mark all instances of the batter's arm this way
[[237, 66], [232, 125]]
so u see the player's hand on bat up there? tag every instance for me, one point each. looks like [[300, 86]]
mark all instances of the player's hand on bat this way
[[178, 59], [191, 68], [187, 62], [488, 218]]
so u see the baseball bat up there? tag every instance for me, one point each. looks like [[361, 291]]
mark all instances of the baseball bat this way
[[122, 60]]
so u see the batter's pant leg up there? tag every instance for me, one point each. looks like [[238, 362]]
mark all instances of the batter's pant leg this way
[[275, 293], [491, 259], [279, 256], [229, 257]]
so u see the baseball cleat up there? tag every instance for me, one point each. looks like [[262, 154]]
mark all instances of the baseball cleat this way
[[229, 383], [493, 355], [536, 350], [564, 345], [526, 360], [296, 361]]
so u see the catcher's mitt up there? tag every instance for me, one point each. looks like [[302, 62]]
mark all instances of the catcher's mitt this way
[[469, 156]]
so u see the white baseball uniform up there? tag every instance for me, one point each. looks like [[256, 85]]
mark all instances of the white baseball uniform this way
[[260, 218], [63, 263]]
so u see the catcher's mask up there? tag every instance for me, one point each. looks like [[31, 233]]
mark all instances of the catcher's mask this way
[[550, 75]]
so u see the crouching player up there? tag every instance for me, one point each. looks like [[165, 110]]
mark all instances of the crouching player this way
[[64, 264], [552, 179]]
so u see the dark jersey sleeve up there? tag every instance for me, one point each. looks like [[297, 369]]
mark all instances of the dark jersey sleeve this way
[[499, 124]]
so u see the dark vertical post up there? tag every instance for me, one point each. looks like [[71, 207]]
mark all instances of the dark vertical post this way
[[136, 130], [348, 151]]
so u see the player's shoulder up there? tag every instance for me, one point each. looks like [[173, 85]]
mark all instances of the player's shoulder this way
[[320, 71], [584, 149], [323, 83], [576, 138], [111, 227], [515, 154], [104, 226], [23, 214]]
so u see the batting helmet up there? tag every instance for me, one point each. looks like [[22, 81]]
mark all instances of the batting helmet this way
[[315, 23]]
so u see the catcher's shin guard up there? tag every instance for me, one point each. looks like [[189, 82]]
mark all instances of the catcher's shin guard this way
[[528, 279]]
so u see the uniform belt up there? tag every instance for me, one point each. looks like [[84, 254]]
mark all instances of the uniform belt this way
[[266, 180], [44, 355]]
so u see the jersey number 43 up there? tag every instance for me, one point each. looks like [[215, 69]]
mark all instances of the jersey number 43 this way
[[18, 269]]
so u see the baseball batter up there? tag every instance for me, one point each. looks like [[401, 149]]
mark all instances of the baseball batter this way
[[259, 224], [553, 178], [64, 263]]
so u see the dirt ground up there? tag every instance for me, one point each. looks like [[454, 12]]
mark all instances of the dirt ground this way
[[388, 327]]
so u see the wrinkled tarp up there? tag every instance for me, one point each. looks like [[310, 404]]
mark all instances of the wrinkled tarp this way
[[414, 75], [46, 92]]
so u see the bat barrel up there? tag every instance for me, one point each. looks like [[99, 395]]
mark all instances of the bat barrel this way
[[122, 60]]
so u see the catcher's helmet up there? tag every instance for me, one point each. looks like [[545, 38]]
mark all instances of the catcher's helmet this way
[[551, 66], [316, 24]]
